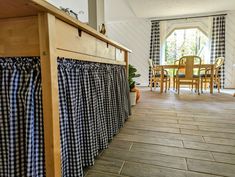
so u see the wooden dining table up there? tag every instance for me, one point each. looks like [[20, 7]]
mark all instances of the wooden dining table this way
[[203, 66]]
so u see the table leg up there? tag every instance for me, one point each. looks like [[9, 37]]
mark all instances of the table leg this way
[[162, 78], [212, 80]]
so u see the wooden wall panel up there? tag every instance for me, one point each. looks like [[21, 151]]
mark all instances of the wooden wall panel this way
[[19, 37]]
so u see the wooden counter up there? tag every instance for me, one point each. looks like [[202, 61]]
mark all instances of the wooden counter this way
[[37, 28]]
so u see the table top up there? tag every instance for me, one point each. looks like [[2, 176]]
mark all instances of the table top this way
[[176, 66]]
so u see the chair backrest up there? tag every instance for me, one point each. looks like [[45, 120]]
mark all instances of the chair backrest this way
[[176, 62], [150, 61], [186, 64], [218, 64], [156, 71]]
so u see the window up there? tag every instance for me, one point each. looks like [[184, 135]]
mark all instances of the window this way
[[190, 41]]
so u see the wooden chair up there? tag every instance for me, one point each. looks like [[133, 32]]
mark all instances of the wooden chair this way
[[156, 76], [176, 62], [206, 76], [191, 75]]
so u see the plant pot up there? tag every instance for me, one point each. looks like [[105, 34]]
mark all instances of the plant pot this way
[[133, 98]]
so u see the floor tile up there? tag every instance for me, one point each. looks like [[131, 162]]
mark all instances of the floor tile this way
[[209, 147], [208, 133], [152, 128], [174, 151], [102, 174], [149, 140], [211, 167], [223, 141], [226, 158], [105, 164], [147, 158], [171, 135], [143, 170], [166, 135]]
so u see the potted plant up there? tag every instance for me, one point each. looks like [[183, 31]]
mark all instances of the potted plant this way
[[134, 92]]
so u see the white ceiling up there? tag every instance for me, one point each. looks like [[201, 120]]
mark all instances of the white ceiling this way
[[164, 8]]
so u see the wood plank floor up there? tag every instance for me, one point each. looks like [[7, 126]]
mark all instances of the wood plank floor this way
[[170, 135]]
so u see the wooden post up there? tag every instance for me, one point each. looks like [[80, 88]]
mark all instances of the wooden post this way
[[126, 59], [50, 94]]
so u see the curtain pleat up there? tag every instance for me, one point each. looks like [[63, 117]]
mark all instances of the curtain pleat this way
[[218, 43], [155, 48], [21, 119], [94, 103]]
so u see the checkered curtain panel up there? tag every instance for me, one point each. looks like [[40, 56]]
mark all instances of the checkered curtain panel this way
[[21, 118], [218, 43], [94, 103], [155, 47]]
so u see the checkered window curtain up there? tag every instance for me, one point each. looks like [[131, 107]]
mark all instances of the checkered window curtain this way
[[94, 103], [155, 47], [218, 43], [21, 119]]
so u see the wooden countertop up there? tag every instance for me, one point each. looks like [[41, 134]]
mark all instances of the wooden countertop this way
[[22, 8]]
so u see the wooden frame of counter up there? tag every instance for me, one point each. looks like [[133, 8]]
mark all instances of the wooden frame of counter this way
[[28, 28]]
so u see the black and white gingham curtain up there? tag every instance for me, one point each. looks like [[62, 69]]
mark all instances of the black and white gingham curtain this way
[[155, 48], [94, 103], [218, 43], [21, 118]]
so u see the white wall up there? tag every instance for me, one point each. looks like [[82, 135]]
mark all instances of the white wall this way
[[230, 51], [78, 6], [100, 13], [118, 10], [134, 34]]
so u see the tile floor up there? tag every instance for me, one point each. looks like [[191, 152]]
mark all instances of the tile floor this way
[[170, 135]]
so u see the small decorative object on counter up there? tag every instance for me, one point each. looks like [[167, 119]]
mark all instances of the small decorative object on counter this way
[[103, 29], [69, 12]]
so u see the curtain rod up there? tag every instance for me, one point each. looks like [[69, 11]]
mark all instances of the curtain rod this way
[[180, 18]]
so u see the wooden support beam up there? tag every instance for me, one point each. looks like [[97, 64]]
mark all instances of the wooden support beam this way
[[50, 94], [126, 59], [85, 57]]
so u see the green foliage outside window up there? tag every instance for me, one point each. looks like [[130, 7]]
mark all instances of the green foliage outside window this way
[[182, 42]]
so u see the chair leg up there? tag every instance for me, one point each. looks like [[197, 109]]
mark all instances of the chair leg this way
[[165, 85], [178, 87], [201, 85], [173, 83], [169, 84], [155, 85], [198, 86], [218, 85], [151, 85]]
